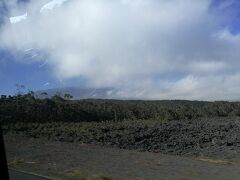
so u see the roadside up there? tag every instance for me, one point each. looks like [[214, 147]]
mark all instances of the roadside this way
[[62, 160]]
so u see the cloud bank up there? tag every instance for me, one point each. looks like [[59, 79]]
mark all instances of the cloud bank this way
[[148, 49]]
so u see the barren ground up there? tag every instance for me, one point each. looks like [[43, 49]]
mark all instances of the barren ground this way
[[63, 160]]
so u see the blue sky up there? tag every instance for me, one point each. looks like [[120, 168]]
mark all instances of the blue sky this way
[[232, 10], [30, 75], [171, 55], [33, 75]]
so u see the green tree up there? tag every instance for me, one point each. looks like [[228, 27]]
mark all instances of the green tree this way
[[68, 96]]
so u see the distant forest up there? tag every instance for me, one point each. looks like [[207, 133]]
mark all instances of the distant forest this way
[[27, 108]]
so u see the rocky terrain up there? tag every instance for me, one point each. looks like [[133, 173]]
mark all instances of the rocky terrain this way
[[215, 137]]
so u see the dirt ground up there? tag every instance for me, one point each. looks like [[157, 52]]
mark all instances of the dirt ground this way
[[62, 160]]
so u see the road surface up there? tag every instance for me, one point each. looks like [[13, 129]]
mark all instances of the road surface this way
[[16, 175]]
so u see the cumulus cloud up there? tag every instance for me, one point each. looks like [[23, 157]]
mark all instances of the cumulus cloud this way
[[153, 49]]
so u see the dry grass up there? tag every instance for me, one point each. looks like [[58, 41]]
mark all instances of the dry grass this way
[[217, 161], [83, 175], [16, 162]]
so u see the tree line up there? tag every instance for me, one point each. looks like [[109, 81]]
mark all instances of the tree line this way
[[27, 108]]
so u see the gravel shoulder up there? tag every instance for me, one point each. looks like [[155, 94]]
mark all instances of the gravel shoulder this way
[[63, 160]]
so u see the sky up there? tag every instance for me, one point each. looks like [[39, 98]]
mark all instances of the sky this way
[[146, 49]]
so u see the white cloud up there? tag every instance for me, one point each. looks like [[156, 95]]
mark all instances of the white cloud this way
[[46, 84], [18, 19], [51, 5], [133, 45], [208, 67]]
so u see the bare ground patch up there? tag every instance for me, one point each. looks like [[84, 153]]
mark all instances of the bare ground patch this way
[[62, 160]]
